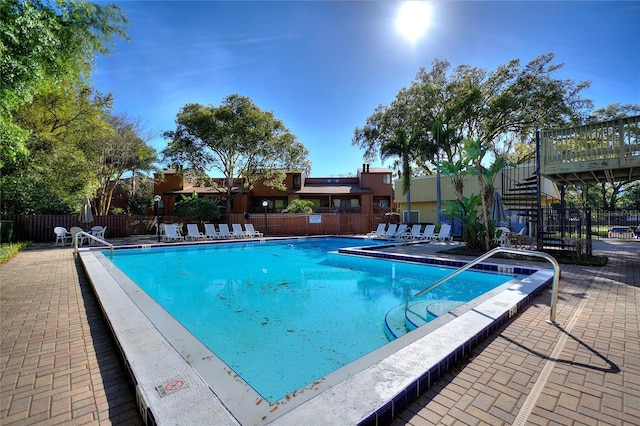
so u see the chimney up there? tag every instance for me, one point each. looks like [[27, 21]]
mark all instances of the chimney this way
[[367, 168], [364, 167]]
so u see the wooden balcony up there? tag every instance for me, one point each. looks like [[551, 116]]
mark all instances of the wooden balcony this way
[[600, 152]]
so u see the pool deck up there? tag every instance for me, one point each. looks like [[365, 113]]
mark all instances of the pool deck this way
[[59, 365]]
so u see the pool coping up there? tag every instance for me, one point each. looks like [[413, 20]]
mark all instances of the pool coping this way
[[374, 394]]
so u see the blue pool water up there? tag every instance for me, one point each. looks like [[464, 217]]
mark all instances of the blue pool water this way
[[285, 314]]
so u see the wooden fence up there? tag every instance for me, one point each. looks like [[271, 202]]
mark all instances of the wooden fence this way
[[39, 228]]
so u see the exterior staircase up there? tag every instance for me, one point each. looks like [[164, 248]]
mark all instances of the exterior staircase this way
[[520, 191]]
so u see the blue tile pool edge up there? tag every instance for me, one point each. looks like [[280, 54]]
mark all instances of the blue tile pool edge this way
[[349, 402]]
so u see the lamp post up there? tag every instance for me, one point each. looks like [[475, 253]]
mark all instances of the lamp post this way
[[156, 199], [265, 204], [438, 192]]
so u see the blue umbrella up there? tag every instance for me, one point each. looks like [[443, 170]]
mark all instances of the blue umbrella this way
[[497, 210]]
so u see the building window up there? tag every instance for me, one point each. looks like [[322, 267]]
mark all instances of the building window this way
[[415, 216], [297, 181], [381, 203], [386, 179]]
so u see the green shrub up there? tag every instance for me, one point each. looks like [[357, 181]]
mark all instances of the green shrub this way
[[7, 251], [300, 207], [6, 231], [198, 209]]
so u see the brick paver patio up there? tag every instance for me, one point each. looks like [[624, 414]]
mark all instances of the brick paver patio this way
[[59, 365]]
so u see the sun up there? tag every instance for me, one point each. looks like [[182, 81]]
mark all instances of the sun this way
[[413, 19]]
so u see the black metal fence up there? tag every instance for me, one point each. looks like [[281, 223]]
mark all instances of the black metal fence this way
[[572, 221]]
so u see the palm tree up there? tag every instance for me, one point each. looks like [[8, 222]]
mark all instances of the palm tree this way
[[406, 149]]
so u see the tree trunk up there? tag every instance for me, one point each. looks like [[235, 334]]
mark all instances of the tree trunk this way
[[485, 220]]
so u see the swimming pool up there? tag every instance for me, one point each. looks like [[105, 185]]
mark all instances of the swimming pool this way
[[283, 315], [159, 352]]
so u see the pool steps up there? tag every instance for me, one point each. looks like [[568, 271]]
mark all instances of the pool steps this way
[[404, 318]]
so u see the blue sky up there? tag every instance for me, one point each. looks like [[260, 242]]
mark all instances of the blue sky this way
[[323, 66]]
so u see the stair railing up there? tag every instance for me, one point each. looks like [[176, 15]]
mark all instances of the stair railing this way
[[554, 262]]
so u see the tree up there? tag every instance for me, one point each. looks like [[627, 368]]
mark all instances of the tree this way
[[300, 206], [397, 130], [456, 170], [402, 147], [42, 42], [492, 109], [118, 150], [61, 121], [198, 209], [237, 139]]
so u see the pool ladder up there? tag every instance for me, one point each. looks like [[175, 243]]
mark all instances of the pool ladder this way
[[91, 237], [556, 273]]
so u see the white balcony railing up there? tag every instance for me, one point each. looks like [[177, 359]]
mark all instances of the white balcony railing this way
[[605, 151]]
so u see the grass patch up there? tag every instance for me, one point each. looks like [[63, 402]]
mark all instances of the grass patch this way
[[563, 257], [7, 251]]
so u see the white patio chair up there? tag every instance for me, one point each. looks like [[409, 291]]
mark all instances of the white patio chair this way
[[62, 235], [502, 236], [81, 238]]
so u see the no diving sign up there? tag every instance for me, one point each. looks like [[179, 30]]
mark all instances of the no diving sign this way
[[171, 387]]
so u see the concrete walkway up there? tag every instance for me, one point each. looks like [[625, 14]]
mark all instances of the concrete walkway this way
[[60, 367]]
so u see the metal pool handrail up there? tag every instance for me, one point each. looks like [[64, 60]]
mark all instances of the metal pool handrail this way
[[556, 273], [92, 237]]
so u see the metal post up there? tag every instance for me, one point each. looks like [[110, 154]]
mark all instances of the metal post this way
[[265, 204], [438, 192], [156, 200], [588, 244], [539, 227]]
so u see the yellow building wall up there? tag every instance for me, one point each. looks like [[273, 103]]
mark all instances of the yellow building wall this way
[[423, 193]]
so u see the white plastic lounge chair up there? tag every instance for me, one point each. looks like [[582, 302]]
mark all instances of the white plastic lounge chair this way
[[444, 234], [391, 231], [210, 232], [400, 232], [414, 233], [224, 231], [379, 232], [62, 235], [236, 231], [171, 233], [193, 233], [428, 232], [81, 238], [251, 232]]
